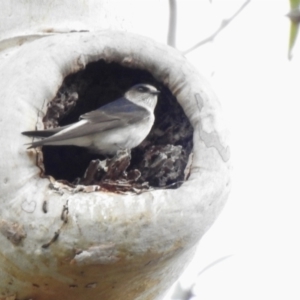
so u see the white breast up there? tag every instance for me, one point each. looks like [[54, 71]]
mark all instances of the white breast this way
[[110, 141]]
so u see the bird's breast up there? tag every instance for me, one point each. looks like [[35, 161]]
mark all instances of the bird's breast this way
[[127, 137]]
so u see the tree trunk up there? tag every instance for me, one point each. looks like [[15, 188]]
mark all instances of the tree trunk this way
[[76, 242]]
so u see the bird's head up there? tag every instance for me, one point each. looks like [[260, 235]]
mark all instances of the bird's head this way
[[144, 95]]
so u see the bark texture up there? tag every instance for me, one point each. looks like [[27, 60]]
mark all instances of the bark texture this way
[[56, 241]]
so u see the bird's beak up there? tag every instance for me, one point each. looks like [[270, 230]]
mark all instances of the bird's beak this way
[[155, 92]]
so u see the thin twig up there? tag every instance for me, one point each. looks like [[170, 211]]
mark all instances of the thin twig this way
[[224, 24], [214, 263], [172, 23]]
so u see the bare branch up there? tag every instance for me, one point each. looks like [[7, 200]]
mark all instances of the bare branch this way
[[172, 23], [224, 24]]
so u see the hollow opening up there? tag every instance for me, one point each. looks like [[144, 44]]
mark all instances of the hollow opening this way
[[159, 161]]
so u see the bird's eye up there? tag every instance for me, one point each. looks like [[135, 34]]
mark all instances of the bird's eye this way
[[142, 89]]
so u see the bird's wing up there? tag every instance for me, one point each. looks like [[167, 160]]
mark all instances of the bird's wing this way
[[44, 133], [119, 113], [123, 110]]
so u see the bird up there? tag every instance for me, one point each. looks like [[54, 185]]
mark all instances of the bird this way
[[118, 125]]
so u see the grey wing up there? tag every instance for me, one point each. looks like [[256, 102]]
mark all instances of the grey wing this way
[[95, 122], [116, 114], [122, 110], [44, 133], [118, 118]]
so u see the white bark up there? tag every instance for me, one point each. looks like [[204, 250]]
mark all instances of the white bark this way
[[21, 18], [124, 246], [112, 246]]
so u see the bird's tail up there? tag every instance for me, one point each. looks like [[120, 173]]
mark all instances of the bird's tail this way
[[37, 133], [35, 144], [40, 134]]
